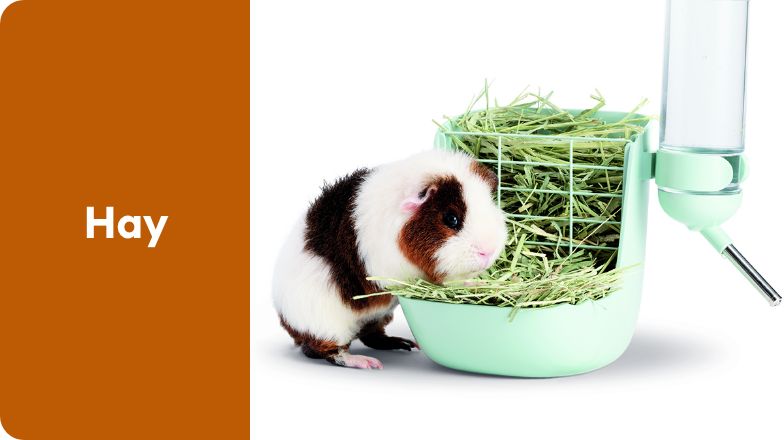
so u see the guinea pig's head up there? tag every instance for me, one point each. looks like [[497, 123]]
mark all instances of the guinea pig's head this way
[[453, 229]]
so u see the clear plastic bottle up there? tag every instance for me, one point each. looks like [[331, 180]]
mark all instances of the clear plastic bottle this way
[[703, 96]]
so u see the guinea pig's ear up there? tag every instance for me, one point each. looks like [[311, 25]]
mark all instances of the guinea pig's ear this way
[[412, 203], [485, 174]]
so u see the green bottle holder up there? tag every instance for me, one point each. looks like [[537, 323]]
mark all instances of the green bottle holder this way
[[560, 340], [701, 189]]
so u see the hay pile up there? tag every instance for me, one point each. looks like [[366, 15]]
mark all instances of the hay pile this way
[[548, 259]]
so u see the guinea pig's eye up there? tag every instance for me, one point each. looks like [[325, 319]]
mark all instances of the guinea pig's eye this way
[[451, 221]]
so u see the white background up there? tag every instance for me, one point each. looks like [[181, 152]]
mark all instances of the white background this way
[[337, 85]]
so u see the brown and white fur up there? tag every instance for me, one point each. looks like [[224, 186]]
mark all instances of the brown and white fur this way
[[395, 221]]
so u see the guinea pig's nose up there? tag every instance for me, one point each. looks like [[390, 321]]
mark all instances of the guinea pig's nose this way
[[484, 255]]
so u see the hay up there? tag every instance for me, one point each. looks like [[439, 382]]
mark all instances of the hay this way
[[548, 260]]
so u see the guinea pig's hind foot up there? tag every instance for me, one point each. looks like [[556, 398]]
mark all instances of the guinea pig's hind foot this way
[[346, 359]]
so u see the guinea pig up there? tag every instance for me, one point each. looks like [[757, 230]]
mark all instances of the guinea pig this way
[[429, 216]]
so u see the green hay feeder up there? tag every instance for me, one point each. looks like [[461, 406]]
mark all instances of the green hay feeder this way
[[552, 341]]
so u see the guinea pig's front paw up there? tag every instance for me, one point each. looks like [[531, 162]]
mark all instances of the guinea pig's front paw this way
[[359, 361], [402, 343], [381, 341]]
